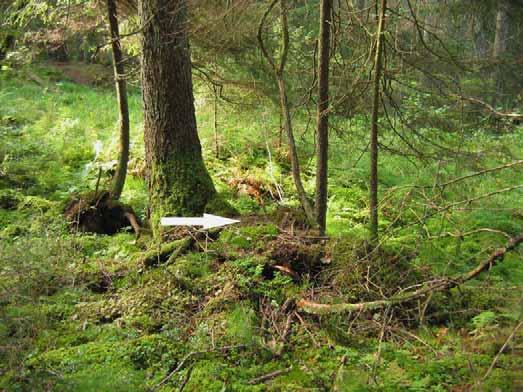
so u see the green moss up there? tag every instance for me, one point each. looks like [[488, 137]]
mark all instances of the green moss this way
[[165, 252], [219, 206], [179, 187], [245, 237]]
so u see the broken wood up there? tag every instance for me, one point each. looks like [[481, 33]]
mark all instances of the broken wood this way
[[440, 284], [269, 376]]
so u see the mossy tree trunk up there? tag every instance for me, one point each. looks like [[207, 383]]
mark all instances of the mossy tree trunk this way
[[179, 184], [118, 181]]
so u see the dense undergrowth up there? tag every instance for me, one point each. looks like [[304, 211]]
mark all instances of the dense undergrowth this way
[[81, 312]]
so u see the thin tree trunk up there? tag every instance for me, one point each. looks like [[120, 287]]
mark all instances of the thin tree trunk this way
[[373, 197], [322, 132], [502, 29], [481, 44], [215, 124], [295, 163], [118, 181], [360, 5], [284, 102], [500, 45], [179, 184]]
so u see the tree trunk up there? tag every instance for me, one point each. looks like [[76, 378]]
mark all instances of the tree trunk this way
[[373, 197], [279, 69], [322, 132], [500, 45], [502, 29], [215, 124], [293, 151], [360, 5], [481, 44], [178, 181], [123, 106]]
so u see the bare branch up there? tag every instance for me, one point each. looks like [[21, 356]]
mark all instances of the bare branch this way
[[427, 288]]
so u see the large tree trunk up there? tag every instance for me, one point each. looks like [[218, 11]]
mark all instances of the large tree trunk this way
[[322, 133], [373, 197], [123, 106], [178, 181]]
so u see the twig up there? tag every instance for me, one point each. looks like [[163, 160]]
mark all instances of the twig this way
[[510, 337], [490, 108], [98, 182], [269, 376], [479, 173], [441, 284]]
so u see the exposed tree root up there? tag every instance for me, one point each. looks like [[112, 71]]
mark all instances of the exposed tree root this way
[[167, 253], [440, 284], [98, 212]]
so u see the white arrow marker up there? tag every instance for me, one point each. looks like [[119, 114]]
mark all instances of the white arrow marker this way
[[207, 222]]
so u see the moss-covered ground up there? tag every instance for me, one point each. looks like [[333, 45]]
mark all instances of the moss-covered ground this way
[[83, 312]]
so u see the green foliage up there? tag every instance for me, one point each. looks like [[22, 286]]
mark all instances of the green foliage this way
[[80, 312]]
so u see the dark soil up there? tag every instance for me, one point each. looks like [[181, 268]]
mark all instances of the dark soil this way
[[98, 212]]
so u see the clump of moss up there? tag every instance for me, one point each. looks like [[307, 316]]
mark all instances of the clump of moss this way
[[219, 206], [245, 238]]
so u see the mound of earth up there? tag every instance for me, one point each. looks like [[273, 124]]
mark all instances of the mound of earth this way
[[98, 212]]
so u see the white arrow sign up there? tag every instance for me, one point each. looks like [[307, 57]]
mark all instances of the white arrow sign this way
[[207, 222]]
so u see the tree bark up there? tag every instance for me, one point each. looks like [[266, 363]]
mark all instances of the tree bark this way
[[284, 101], [502, 29], [322, 132], [373, 197], [481, 44], [118, 180], [178, 181], [215, 123], [500, 45]]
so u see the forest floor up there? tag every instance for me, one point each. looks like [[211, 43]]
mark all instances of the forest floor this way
[[86, 312]]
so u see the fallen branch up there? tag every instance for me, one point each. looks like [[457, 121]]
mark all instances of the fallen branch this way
[[269, 376], [440, 284], [490, 108]]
